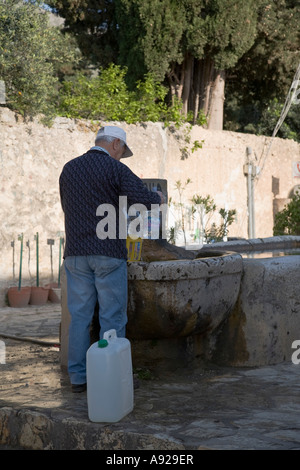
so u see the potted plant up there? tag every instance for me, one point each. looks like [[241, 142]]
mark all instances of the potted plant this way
[[39, 295], [54, 293], [19, 296]]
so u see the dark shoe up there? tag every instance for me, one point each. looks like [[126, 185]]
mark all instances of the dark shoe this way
[[78, 388]]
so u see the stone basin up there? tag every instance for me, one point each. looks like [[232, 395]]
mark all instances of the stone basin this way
[[182, 297], [217, 308]]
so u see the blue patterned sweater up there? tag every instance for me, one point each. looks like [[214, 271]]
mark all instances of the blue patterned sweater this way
[[88, 181]]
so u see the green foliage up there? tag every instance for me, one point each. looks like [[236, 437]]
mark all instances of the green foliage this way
[[161, 37], [101, 97], [290, 128], [287, 221], [261, 118], [31, 55], [197, 145], [257, 86], [172, 235], [228, 217], [266, 70], [143, 374], [204, 203], [184, 43], [152, 42], [230, 29], [92, 23], [211, 232], [184, 138], [157, 28], [150, 99], [107, 97], [204, 208], [166, 31]]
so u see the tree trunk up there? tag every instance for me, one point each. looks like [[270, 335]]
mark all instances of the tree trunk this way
[[197, 81], [216, 105], [205, 86], [188, 64], [200, 87], [209, 93], [176, 80]]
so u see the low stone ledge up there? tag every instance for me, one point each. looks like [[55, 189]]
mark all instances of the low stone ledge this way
[[215, 265], [32, 430]]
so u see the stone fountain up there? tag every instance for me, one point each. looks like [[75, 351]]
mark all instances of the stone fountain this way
[[212, 306], [177, 300], [171, 296]]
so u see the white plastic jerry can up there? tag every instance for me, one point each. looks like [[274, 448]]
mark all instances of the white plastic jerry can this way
[[109, 379]]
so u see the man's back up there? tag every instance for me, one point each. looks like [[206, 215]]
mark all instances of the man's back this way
[[87, 182]]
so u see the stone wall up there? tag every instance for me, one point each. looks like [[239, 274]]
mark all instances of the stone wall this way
[[32, 157]]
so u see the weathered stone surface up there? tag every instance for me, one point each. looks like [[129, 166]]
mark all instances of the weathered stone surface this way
[[168, 299], [161, 250], [29, 429], [266, 320], [259, 329], [190, 409], [32, 157], [200, 407], [34, 429]]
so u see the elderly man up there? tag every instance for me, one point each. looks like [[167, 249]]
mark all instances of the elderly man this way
[[96, 266]]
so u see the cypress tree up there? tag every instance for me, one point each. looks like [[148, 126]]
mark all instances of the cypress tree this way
[[190, 43]]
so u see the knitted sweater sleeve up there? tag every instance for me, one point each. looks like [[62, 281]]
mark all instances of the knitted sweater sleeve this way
[[135, 190]]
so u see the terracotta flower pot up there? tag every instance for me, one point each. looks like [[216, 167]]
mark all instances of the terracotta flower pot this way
[[39, 295], [54, 292], [18, 298], [55, 295]]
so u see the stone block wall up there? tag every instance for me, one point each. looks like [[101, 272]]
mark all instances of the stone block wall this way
[[32, 157]]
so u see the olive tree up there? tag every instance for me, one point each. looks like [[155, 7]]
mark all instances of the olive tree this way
[[31, 54]]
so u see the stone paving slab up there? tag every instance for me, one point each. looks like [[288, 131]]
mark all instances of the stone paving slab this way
[[32, 321], [204, 408]]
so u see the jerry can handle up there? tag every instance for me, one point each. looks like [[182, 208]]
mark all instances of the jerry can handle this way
[[110, 334]]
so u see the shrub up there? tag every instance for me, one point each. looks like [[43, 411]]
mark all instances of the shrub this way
[[106, 97], [287, 221]]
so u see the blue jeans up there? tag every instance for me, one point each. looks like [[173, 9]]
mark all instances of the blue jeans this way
[[92, 278]]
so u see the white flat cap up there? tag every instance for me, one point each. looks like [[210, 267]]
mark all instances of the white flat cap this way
[[118, 133]]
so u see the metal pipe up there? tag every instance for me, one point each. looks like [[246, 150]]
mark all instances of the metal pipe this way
[[249, 171], [250, 202], [253, 174], [37, 259]]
